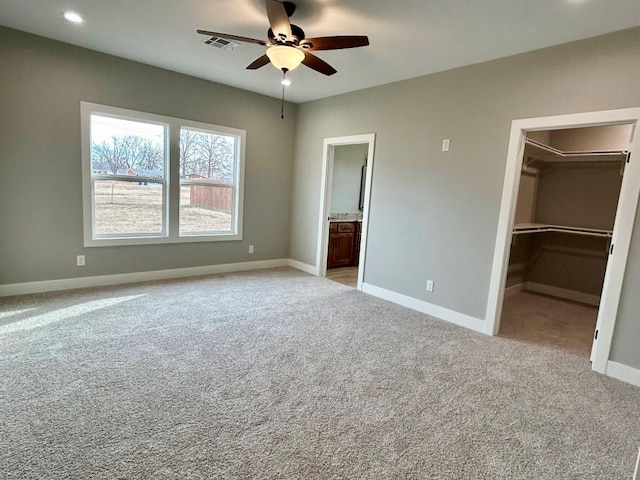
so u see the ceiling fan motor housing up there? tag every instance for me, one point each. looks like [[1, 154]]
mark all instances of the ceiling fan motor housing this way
[[296, 32]]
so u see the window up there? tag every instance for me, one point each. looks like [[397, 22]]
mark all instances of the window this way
[[128, 174], [207, 167], [132, 159]]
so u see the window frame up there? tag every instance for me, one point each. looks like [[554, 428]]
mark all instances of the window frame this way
[[171, 181]]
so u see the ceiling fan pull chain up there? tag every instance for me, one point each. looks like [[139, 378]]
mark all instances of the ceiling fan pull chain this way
[[284, 75]]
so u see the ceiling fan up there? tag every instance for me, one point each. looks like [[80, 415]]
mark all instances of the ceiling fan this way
[[287, 46]]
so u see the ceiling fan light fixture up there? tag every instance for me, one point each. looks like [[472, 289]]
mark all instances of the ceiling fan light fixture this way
[[285, 57]]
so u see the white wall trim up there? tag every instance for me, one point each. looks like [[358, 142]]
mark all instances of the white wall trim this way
[[514, 289], [565, 293], [436, 311], [305, 267], [103, 280], [623, 373]]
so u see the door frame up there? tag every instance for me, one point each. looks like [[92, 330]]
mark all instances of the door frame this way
[[328, 151], [622, 229]]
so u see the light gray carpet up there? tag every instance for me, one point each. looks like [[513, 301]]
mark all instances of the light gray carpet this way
[[541, 319], [277, 374]]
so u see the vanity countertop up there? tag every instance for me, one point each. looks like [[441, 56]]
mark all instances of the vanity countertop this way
[[345, 217]]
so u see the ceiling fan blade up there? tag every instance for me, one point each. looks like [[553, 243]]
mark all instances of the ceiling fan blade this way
[[259, 62], [335, 43], [311, 61], [233, 37], [279, 20]]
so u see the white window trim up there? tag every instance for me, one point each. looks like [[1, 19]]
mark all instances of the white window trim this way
[[171, 200]]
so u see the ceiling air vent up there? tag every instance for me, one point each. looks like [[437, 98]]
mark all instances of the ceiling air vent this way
[[221, 43]]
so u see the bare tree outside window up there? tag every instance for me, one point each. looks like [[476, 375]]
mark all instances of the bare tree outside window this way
[[188, 150], [208, 155], [207, 166], [128, 152]]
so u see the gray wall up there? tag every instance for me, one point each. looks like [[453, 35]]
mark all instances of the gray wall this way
[[572, 262], [610, 137], [626, 339], [526, 202], [579, 196], [434, 214], [347, 172], [41, 85]]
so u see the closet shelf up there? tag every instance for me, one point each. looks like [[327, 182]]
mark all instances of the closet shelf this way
[[523, 228], [544, 153]]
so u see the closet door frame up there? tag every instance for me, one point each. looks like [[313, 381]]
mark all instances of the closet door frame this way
[[622, 230]]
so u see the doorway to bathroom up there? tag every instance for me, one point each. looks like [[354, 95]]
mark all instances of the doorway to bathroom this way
[[348, 166]]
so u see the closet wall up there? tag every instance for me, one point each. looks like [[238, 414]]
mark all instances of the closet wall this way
[[576, 192]]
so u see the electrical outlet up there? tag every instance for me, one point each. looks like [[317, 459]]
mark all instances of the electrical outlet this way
[[429, 285], [250, 248], [80, 261], [445, 145]]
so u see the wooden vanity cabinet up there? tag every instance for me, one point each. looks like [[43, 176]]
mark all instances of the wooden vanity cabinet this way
[[344, 244]]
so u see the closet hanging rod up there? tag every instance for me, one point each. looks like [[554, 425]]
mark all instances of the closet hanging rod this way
[[523, 228], [574, 153]]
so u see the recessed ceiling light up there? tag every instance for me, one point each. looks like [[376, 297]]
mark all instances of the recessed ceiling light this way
[[286, 82], [73, 17]]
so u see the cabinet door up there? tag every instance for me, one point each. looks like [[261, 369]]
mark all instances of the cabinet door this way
[[341, 246], [358, 240]]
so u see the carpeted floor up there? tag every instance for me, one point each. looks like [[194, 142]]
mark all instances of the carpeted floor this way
[[277, 374], [534, 318]]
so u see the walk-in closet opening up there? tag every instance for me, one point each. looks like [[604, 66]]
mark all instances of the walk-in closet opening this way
[[561, 239]]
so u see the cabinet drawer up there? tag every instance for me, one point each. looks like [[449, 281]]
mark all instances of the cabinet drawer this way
[[333, 227], [345, 227]]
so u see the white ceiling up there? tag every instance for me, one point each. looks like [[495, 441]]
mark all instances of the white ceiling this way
[[408, 38]]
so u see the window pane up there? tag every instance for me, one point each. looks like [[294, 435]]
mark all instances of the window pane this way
[[122, 207], [205, 209], [206, 157], [127, 147]]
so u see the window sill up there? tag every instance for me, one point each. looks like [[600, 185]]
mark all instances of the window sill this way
[[128, 241]]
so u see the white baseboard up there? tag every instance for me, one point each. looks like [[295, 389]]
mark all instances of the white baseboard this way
[[623, 372], [513, 289], [102, 280], [441, 313], [563, 293], [305, 267]]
